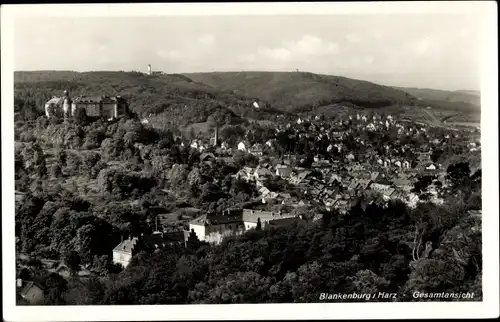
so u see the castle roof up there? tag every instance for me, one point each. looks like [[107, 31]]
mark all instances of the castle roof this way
[[93, 99]]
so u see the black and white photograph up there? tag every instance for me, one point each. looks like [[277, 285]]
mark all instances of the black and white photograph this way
[[249, 161]]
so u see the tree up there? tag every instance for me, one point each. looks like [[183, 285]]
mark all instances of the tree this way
[[259, 224], [458, 173], [56, 171], [55, 286], [73, 261], [80, 116]]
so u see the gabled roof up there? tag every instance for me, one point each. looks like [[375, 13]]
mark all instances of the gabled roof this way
[[303, 174], [382, 181], [250, 215], [263, 172], [401, 182], [29, 285], [127, 245], [205, 156], [210, 219]]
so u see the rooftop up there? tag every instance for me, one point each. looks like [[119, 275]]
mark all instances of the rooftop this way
[[250, 215], [126, 245]]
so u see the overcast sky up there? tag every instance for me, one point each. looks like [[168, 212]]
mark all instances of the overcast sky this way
[[432, 51]]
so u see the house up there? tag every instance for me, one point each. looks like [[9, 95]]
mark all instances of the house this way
[[350, 157], [256, 149], [374, 176], [381, 185], [224, 146], [363, 184], [251, 217], [195, 144], [302, 175], [30, 291], [212, 227], [244, 174], [122, 254], [207, 157], [242, 147], [430, 167], [284, 171], [403, 184], [353, 185], [264, 192], [262, 173]]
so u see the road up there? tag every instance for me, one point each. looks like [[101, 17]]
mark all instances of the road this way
[[436, 122]]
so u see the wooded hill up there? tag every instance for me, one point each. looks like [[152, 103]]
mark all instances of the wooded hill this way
[[191, 98]]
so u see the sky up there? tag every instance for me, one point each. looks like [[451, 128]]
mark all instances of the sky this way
[[439, 51]]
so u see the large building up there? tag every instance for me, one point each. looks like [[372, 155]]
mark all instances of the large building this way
[[100, 106], [213, 228], [95, 106], [123, 252]]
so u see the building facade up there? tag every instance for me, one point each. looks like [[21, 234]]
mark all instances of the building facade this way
[[122, 254], [94, 106], [213, 228]]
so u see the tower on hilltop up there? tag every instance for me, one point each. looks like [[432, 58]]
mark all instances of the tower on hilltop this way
[[149, 69]]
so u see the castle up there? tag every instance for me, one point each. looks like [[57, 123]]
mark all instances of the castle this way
[[95, 106]]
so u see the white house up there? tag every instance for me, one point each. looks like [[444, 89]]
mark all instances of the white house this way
[[431, 167], [122, 254], [284, 171], [213, 228], [242, 147], [350, 157]]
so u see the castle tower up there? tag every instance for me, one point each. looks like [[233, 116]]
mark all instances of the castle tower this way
[[149, 69], [216, 136], [66, 105]]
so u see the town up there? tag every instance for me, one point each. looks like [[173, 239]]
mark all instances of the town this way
[[293, 171]]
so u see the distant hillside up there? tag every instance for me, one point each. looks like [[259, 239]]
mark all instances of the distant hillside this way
[[177, 96], [183, 99], [470, 97], [299, 90]]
